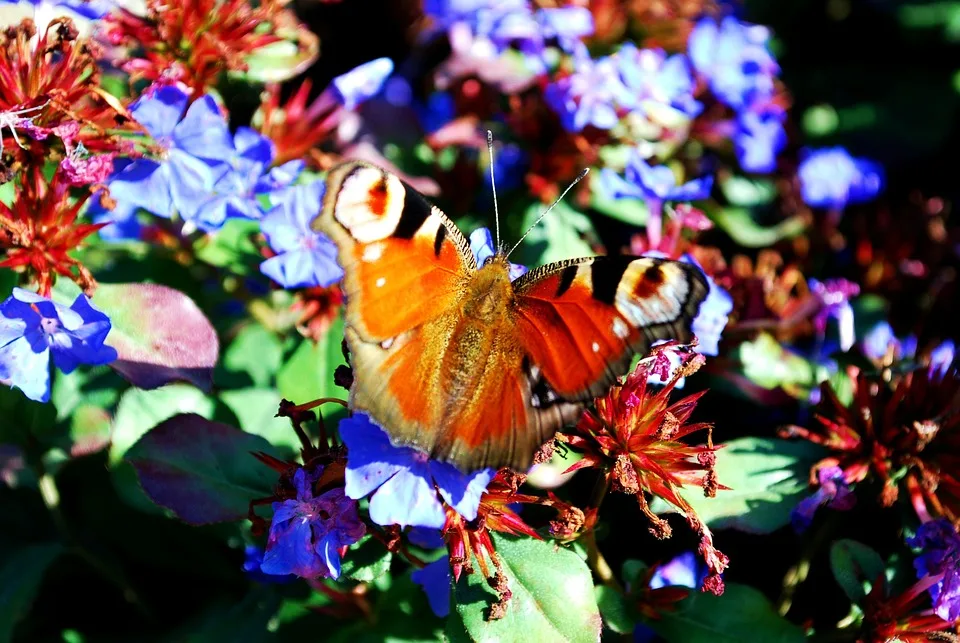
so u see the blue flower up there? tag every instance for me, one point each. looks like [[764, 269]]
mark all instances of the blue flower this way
[[304, 257], [834, 296], [32, 328], [193, 146], [759, 137], [941, 357], [833, 492], [685, 570], [252, 560], [939, 546], [363, 82], [308, 532], [652, 77], [435, 580], [712, 318], [652, 184], [567, 25], [878, 340], [241, 179], [404, 481], [481, 244], [831, 178], [734, 59], [590, 95]]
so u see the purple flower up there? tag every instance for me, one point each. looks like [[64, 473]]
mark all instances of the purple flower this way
[[712, 318], [590, 95], [307, 533], [405, 482], [939, 556], [878, 341], [941, 357], [759, 137], [834, 296], [481, 244], [831, 178], [833, 492], [435, 580], [655, 185], [194, 147], [652, 77], [685, 570], [304, 257], [241, 179], [733, 57], [32, 328], [363, 82], [566, 25]]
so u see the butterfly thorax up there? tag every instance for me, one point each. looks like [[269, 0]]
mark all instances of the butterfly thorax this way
[[489, 293]]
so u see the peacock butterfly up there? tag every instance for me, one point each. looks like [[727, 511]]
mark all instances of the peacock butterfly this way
[[461, 362]]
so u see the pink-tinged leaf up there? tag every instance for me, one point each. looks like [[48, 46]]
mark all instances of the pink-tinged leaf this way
[[202, 471], [160, 334]]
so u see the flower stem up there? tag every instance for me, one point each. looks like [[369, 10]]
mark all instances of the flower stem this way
[[598, 563], [799, 571]]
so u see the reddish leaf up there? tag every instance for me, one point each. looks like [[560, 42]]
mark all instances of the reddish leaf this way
[[203, 471], [160, 334]]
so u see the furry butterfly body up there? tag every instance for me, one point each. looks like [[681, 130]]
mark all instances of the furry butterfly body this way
[[458, 360]]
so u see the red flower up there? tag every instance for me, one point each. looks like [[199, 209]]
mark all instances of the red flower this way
[[634, 435], [910, 423], [193, 41], [899, 618], [297, 127], [40, 228]]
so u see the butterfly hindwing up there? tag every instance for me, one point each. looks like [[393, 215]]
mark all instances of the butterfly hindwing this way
[[404, 261], [582, 320]]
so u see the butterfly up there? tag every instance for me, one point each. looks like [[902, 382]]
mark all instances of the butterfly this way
[[462, 363]]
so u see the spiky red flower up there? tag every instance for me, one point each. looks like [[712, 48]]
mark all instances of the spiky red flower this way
[[901, 618], [296, 127], [317, 307], [40, 229], [194, 41], [634, 436], [902, 431], [50, 96]]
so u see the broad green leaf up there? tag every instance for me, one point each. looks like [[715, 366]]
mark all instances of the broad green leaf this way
[[256, 410], [767, 478], [139, 411], [255, 351], [741, 615], [739, 224], [247, 621], [279, 61], [308, 373], [854, 564], [89, 429], [366, 560], [553, 598], [160, 334], [232, 247], [21, 573], [203, 471], [746, 192], [560, 235], [616, 612], [22, 417], [768, 364]]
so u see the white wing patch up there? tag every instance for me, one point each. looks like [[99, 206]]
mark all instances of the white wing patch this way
[[370, 204]]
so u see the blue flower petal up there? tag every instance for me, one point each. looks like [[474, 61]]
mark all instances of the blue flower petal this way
[[459, 490], [160, 111], [436, 580], [408, 499], [371, 459], [363, 82]]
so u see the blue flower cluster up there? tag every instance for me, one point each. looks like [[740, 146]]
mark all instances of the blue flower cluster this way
[[831, 178], [33, 329]]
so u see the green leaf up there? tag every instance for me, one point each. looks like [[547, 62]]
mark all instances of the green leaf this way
[[257, 352], [22, 417], [308, 374], [739, 224], [616, 612], [20, 576], [767, 477], [741, 615], [203, 471], [553, 597], [232, 247], [256, 410], [768, 364], [140, 410], [247, 621], [366, 560], [279, 61], [560, 235], [854, 564], [746, 192]]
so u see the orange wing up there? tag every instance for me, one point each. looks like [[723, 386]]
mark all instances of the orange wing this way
[[404, 261], [582, 320]]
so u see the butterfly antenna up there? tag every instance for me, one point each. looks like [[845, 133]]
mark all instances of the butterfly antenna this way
[[493, 186], [552, 206]]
